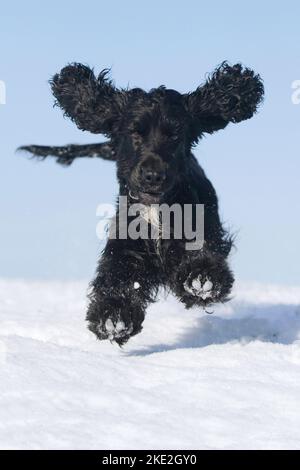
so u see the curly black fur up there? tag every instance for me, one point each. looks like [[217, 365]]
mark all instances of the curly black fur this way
[[151, 136], [92, 103]]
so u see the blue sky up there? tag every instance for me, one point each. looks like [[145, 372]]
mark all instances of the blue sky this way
[[48, 226]]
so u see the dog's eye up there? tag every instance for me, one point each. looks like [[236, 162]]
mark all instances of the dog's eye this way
[[141, 127], [168, 131], [137, 133], [141, 131], [137, 140], [171, 131], [136, 136]]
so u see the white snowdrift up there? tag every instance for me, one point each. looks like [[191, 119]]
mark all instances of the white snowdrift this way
[[230, 380]]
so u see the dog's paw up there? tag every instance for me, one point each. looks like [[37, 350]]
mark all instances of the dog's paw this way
[[200, 287], [115, 330], [114, 320], [206, 281], [112, 329]]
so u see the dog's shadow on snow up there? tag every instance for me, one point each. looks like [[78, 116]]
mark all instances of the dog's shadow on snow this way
[[267, 323]]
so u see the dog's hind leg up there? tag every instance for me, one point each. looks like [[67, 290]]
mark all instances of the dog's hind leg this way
[[125, 284]]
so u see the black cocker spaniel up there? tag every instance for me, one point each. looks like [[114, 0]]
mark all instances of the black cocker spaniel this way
[[151, 135]]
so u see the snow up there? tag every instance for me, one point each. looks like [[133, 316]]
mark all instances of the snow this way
[[230, 380]]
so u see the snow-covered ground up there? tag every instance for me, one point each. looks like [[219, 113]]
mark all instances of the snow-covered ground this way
[[230, 380]]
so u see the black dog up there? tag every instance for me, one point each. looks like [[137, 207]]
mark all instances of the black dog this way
[[151, 136]]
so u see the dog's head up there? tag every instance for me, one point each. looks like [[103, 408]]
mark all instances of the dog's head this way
[[152, 132], [152, 140]]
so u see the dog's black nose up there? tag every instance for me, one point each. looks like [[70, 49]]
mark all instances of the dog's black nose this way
[[151, 176]]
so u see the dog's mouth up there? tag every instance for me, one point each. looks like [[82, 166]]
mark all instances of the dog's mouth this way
[[146, 197]]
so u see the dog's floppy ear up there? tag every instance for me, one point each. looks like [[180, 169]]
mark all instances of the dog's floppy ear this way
[[91, 102], [230, 94]]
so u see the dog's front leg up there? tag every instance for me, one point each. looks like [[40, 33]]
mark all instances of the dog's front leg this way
[[126, 282]]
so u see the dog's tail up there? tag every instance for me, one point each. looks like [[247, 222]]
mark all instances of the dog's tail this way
[[66, 155]]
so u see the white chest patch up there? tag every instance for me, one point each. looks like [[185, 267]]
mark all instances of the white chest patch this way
[[151, 215]]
